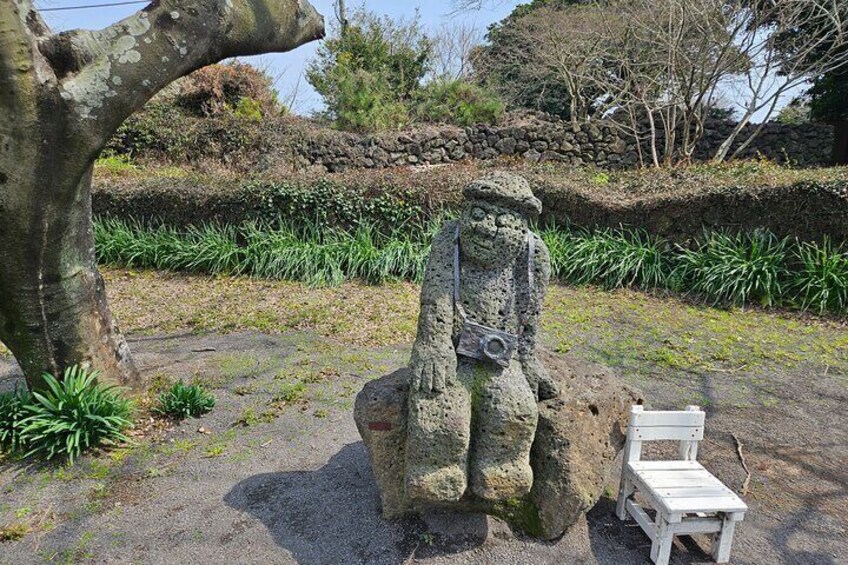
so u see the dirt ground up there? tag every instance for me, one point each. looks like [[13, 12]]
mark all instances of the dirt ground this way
[[277, 473]]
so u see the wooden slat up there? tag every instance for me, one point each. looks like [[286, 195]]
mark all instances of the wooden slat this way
[[677, 419], [697, 526], [729, 503], [659, 433], [642, 519], [674, 473], [694, 491], [676, 482], [664, 465]]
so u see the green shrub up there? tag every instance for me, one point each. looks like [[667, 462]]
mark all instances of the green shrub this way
[[183, 401], [369, 71], [73, 415], [822, 282], [458, 102], [328, 203], [739, 268], [12, 412]]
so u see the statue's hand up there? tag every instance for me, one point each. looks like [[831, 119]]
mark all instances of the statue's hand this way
[[540, 380], [433, 367]]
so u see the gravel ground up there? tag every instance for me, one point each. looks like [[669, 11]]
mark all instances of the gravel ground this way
[[244, 485]]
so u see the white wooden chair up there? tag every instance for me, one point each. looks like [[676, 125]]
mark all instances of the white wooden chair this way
[[687, 498]]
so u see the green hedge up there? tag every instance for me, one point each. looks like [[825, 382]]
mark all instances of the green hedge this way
[[678, 204]]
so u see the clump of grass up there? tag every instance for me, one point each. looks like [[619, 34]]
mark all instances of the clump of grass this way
[[13, 532], [183, 401], [290, 392], [73, 415], [821, 283], [12, 413], [740, 268], [611, 258]]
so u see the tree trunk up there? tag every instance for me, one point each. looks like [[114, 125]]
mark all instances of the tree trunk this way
[[54, 300], [61, 99]]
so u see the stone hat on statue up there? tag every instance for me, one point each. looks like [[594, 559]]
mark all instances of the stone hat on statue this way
[[507, 189]]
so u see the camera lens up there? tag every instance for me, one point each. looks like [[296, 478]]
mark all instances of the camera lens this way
[[493, 347]]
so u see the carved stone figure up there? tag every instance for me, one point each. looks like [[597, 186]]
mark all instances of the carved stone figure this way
[[475, 422], [475, 376]]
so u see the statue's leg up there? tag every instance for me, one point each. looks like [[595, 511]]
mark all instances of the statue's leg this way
[[439, 428], [504, 428]]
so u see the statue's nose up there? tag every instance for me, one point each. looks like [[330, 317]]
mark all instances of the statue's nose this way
[[486, 226]]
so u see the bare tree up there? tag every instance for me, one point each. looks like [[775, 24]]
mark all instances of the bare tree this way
[[659, 68], [786, 43], [453, 47], [62, 96], [558, 48]]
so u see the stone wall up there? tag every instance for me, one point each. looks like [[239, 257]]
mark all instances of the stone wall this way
[[542, 139]]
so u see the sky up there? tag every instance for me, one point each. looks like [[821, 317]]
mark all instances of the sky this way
[[287, 68]]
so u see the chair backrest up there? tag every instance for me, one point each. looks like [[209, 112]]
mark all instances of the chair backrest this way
[[685, 426]]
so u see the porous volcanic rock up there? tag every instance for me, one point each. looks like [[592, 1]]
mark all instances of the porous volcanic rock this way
[[579, 434]]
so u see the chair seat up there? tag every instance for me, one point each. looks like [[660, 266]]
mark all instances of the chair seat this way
[[684, 487]]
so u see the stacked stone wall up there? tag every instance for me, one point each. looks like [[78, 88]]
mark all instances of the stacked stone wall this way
[[541, 140]]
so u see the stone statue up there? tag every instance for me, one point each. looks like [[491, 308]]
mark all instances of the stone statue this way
[[476, 423], [474, 374]]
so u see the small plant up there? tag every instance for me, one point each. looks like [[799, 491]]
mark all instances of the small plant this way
[[13, 532], [183, 401], [822, 282], [74, 414], [12, 412], [737, 268], [290, 392]]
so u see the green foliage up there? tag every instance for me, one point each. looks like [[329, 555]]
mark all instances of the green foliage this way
[[369, 71], [821, 283], [184, 401], [212, 112], [12, 412], [505, 64], [73, 415], [458, 102], [115, 163], [728, 268], [613, 258], [798, 112], [14, 531], [315, 255], [330, 204], [737, 268], [248, 109]]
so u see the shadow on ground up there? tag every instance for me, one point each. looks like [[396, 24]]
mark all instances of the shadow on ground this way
[[332, 515]]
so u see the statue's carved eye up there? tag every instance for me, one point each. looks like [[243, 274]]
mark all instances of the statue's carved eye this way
[[506, 219], [478, 214]]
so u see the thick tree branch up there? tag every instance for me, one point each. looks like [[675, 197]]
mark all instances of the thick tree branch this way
[[124, 65]]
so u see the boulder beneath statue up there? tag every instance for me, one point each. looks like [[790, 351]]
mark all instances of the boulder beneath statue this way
[[579, 434]]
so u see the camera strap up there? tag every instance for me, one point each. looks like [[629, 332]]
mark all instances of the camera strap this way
[[531, 252]]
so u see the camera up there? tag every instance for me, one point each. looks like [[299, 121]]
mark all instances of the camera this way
[[487, 344]]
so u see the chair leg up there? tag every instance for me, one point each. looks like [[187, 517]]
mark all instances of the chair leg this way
[[625, 491], [723, 540], [661, 548]]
